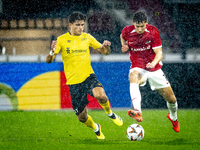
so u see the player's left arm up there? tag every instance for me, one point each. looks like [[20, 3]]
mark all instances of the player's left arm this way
[[156, 59], [104, 48]]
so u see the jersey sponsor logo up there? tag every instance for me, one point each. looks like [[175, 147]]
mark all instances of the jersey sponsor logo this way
[[75, 51], [68, 41], [79, 51], [141, 49]]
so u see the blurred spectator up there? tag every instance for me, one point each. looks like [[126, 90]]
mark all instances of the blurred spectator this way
[[100, 22]]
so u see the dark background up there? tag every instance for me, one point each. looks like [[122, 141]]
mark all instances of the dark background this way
[[183, 17]]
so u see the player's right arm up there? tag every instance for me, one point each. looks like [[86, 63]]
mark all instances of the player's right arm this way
[[125, 47], [51, 56], [104, 48]]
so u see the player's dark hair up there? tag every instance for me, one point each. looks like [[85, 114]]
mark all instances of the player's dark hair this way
[[140, 17], [76, 16]]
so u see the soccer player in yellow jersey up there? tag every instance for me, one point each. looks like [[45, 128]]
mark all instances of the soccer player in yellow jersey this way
[[74, 46]]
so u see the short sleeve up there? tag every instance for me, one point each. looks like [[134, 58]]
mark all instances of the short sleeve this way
[[58, 46], [124, 33], [156, 42], [93, 42]]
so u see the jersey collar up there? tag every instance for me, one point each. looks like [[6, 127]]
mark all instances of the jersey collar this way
[[133, 31]]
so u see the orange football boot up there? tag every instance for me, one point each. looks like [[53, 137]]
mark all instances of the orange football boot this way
[[175, 124], [135, 114]]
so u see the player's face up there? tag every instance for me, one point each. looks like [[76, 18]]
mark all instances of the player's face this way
[[77, 27], [140, 27]]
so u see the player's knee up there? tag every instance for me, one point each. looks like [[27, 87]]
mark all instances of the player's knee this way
[[135, 77], [102, 98], [82, 118]]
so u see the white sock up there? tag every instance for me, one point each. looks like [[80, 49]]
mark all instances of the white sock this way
[[135, 96], [110, 114], [173, 110], [97, 128]]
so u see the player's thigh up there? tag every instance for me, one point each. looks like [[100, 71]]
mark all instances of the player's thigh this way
[[96, 89], [136, 77], [167, 94], [78, 97]]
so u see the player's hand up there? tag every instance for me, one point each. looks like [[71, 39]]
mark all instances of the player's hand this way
[[106, 43], [53, 45], [125, 48], [150, 65]]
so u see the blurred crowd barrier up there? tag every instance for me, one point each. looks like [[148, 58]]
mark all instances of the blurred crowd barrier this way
[[167, 58], [42, 86]]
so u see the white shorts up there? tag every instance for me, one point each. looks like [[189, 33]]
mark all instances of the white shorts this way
[[156, 79]]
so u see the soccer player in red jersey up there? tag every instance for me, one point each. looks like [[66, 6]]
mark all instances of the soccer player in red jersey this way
[[144, 44]]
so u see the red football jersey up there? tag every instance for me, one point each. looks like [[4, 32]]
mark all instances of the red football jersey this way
[[141, 46]]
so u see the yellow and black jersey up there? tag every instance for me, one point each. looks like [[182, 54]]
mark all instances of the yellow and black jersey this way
[[76, 55]]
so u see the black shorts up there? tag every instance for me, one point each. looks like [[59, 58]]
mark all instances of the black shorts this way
[[79, 93]]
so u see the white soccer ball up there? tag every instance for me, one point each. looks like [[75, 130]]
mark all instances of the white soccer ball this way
[[135, 132]]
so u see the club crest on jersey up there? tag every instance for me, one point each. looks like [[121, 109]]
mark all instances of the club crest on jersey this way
[[83, 39], [148, 42]]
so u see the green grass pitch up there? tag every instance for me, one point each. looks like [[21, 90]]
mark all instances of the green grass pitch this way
[[49, 130]]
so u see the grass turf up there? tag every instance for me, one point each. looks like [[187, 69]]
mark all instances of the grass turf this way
[[49, 130]]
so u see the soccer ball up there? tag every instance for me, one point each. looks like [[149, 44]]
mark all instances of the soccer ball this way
[[135, 132]]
